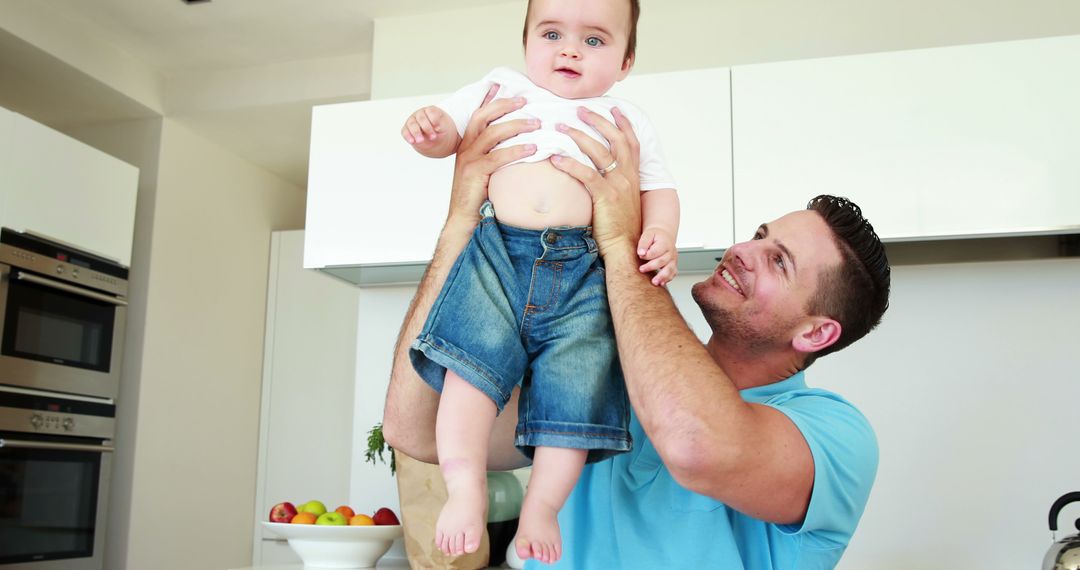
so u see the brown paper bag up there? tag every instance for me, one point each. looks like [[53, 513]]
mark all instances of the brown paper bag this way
[[423, 492]]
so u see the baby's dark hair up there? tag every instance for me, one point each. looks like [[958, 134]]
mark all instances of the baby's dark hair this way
[[856, 292], [631, 40]]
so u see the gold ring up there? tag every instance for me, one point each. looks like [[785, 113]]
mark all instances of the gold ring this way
[[609, 168]]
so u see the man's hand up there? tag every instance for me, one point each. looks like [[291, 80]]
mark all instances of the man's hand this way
[[475, 159], [616, 195]]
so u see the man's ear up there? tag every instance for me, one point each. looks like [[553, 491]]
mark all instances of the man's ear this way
[[627, 65], [816, 333]]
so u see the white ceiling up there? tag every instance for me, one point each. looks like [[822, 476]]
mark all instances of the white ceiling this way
[[171, 35], [242, 73], [245, 73]]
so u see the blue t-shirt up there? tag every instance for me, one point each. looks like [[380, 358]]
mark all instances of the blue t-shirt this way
[[629, 512]]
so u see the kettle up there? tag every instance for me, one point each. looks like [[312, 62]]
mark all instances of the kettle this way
[[1064, 554]]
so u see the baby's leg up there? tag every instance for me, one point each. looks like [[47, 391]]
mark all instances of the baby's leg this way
[[462, 431], [555, 472]]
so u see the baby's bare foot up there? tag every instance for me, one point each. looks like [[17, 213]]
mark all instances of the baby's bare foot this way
[[538, 533], [461, 523]]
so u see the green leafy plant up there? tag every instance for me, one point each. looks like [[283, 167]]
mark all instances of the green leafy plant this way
[[376, 446]]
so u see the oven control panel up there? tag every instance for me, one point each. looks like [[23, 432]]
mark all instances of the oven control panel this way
[[52, 422], [32, 421], [22, 411]]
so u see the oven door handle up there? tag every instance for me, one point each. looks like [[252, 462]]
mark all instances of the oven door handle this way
[[68, 288], [23, 444]]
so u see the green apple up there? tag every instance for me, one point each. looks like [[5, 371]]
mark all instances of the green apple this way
[[332, 518], [314, 507]]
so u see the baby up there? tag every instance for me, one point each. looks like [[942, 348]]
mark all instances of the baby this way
[[525, 302]]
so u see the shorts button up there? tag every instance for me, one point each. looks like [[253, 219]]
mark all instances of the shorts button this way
[[551, 238]]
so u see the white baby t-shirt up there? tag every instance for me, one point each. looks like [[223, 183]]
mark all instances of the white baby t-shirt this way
[[552, 109]]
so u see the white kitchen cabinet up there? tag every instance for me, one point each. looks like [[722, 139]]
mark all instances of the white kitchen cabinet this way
[[372, 199], [374, 202], [691, 111], [972, 140], [309, 374], [55, 185]]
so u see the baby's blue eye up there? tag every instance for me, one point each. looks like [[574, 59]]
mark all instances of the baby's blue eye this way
[[551, 35], [594, 42]]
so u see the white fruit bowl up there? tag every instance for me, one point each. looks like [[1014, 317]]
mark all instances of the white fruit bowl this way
[[327, 546]]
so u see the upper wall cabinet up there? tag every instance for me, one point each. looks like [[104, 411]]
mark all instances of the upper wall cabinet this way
[[55, 185], [372, 200], [960, 141]]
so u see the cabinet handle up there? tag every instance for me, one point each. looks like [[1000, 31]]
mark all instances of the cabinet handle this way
[[19, 443], [68, 288]]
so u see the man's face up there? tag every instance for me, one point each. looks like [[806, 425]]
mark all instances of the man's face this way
[[575, 48], [758, 295]]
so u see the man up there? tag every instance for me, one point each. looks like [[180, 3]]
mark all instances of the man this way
[[736, 463]]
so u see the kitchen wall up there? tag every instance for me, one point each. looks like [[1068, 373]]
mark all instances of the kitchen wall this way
[[438, 52], [184, 477], [969, 380]]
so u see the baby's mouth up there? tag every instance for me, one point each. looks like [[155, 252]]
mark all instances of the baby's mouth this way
[[567, 72]]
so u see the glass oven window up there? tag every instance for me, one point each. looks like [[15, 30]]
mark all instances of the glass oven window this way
[[48, 504], [55, 326]]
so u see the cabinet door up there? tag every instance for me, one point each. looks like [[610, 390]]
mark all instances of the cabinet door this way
[[373, 200], [63, 188], [691, 111], [958, 141]]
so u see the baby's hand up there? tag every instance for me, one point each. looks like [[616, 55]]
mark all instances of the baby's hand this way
[[657, 248], [424, 127]]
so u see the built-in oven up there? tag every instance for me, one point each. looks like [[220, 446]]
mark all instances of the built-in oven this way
[[62, 312], [55, 464]]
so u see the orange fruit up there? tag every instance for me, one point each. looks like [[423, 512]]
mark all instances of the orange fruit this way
[[304, 518], [363, 520], [348, 512]]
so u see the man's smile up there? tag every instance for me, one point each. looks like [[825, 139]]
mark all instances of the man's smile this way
[[730, 279]]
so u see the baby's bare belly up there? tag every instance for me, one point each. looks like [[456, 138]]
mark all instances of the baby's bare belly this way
[[537, 195]]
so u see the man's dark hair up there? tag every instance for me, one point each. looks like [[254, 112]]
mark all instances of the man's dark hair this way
[[856, 292], [631, 40]]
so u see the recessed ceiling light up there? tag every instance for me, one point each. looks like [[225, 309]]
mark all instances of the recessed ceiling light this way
[[196, 1]]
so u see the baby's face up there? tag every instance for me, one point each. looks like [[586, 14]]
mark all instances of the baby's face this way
[[575, 48]]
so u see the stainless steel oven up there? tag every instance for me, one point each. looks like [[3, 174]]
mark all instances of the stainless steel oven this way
[[55, 464], [62, 314]]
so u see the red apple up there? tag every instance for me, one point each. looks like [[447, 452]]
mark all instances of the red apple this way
[[282, 512], [385, 516]]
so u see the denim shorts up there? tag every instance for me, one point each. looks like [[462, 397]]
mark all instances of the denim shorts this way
[[529, 307]]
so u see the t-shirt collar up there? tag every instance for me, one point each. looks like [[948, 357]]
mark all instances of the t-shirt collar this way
[[761, 393]]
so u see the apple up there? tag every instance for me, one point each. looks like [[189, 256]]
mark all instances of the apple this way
[[282, 512], [314, 507], [385, 516], [361, 520], [333, 518]]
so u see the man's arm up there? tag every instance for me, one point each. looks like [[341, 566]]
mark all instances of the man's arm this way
[[411, 405], [750, 457]]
